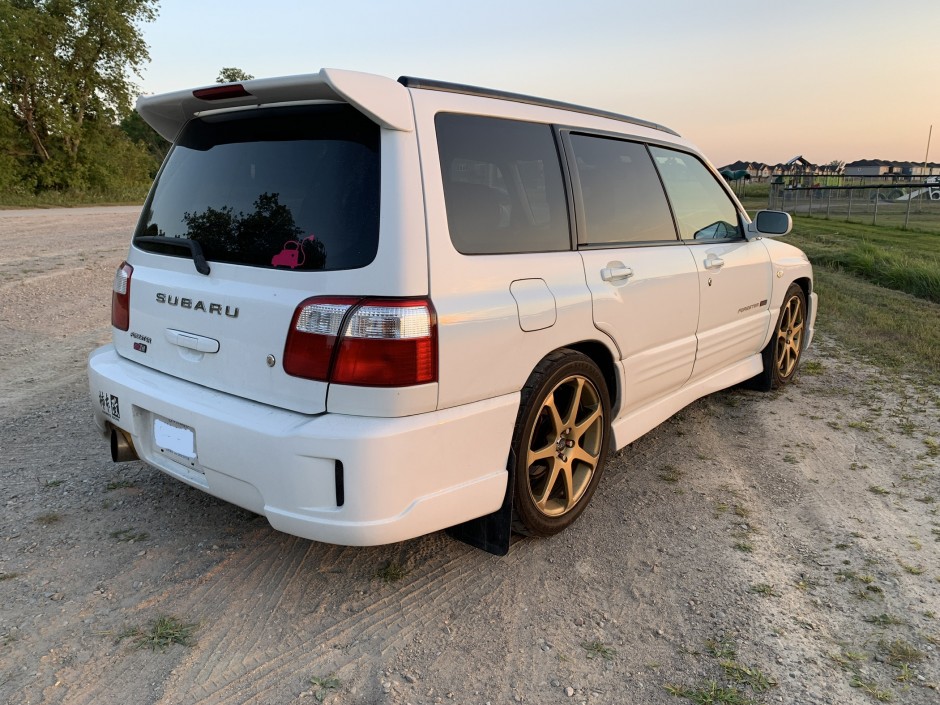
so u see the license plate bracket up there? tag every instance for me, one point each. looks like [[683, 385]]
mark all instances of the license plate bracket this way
[[176, 440]]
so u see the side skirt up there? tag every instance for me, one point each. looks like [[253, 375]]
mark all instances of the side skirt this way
[[627, 429]]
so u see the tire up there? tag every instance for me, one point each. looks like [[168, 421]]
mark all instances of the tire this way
[[781, 356], [559, 443]]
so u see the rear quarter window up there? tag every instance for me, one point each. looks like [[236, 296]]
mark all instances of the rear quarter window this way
[[291, 188], [503, 188]]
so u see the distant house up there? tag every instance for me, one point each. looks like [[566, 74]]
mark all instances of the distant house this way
[[883, 167], [798, 166]]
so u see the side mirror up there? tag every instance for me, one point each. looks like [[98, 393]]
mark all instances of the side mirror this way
[[770, 224]]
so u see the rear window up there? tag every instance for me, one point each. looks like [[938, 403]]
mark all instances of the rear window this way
[[291, 188]]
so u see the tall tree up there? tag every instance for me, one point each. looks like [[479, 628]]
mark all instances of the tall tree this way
[[232, 74], [64, 70]]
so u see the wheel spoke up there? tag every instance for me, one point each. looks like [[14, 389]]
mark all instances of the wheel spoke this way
[[569, 487], [572, 414], [544, 453], [557, 424], [584, 455], [541, 501], [580, 429]]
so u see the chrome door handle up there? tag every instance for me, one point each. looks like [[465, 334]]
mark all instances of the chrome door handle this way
[[714, 262], [616, 273]]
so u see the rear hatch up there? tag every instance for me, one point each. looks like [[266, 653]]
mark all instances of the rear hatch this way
[[254, 211]]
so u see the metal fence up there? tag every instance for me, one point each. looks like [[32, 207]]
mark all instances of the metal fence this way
[[908, 205]]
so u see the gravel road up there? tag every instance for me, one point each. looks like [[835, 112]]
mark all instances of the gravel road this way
[[774, 548]]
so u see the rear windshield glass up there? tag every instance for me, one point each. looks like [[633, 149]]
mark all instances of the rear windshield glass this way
[[291, 188]]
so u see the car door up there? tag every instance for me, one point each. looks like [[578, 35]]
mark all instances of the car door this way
[[734, 274], [643, 280]]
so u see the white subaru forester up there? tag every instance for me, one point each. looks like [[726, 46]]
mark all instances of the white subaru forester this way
[[371, 309]]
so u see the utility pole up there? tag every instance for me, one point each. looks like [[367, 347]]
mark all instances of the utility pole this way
[[927, 153]]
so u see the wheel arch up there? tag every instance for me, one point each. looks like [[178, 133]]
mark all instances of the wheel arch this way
[[601, 355]]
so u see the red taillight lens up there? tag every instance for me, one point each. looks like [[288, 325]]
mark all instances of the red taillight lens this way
[[121, 297], [374, 343], [312, 336]]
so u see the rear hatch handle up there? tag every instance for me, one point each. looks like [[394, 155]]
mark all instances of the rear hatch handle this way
[[199, 259], [200, 343]]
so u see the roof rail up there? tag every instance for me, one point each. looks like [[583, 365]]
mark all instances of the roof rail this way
[[432, 85]]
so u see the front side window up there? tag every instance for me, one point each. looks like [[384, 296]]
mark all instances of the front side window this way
[[289, 188], [621, 195], [703, 209], [503, 188]]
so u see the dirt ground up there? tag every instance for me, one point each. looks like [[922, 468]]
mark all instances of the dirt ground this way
[[778, 548]]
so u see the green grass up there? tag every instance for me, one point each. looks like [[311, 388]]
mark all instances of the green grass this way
[[596, 648], [883, 620], [391, 572], [130, 536], [902, 260], [120, 485], [710, 693], [879, 289], [669, 473], [161, 633], [887, 328], [322, 686]]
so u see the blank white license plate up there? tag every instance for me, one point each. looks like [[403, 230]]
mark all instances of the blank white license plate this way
[[175, 438]]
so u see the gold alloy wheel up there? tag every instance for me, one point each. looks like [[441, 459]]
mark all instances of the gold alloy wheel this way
[[565, 445], [789, 336]]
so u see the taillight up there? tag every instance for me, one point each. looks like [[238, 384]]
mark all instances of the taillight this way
[[369, 342], [121, 297]]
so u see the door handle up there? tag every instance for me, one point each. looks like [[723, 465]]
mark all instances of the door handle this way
[[714, 262], [615, 273]]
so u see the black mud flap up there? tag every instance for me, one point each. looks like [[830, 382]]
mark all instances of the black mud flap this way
[[492, 532]]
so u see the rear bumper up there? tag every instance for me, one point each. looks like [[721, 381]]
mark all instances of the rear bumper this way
[[348, 480]]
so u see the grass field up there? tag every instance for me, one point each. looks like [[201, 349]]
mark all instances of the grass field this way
[[879, 289]]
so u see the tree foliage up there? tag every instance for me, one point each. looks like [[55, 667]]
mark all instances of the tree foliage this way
[[65, 83], [232, 74]]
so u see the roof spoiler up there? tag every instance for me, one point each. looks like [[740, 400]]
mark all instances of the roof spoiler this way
[[383, 100]]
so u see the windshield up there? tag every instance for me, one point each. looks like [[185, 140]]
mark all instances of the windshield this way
[[291, 188]]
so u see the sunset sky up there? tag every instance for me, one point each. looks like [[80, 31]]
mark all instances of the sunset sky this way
[[826, 79]]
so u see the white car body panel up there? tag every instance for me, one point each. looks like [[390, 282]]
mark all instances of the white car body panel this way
[[734, 317], [282, 464], [651, 315]]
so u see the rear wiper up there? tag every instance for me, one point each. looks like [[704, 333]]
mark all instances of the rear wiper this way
[[199, 259]]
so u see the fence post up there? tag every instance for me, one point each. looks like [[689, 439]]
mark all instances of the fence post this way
[[874, 217], [828, 201], [849, 214], [907, 214], [796, 201]]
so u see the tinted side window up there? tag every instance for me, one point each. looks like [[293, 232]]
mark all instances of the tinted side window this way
[[622, 197], [503, 188], [702, 208]]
